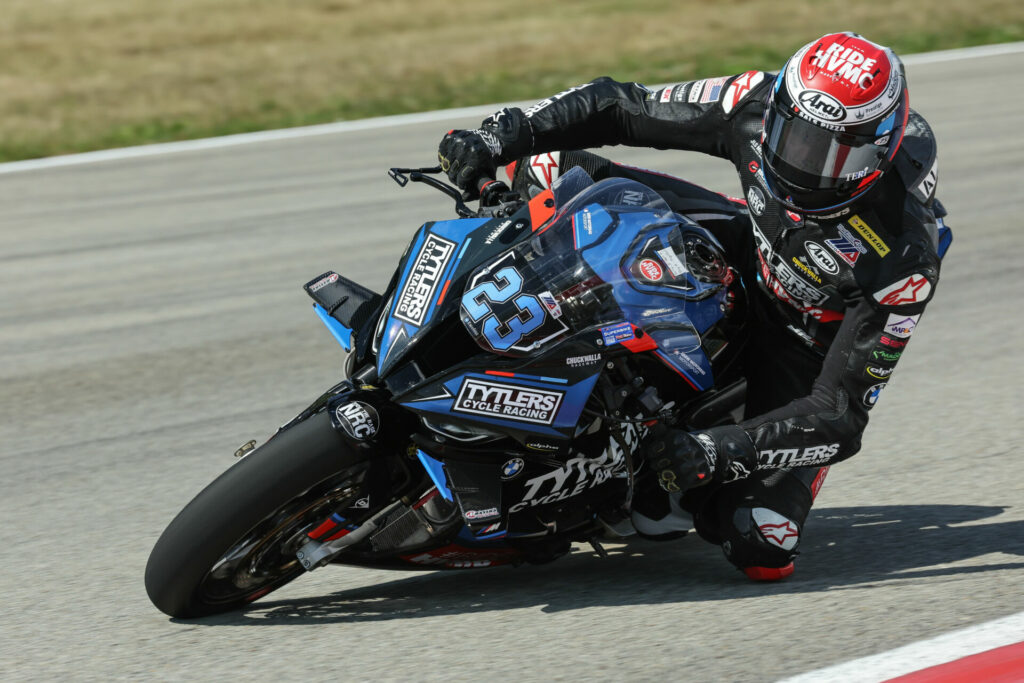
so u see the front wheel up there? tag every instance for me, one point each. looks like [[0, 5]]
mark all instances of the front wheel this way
[[235, 542]]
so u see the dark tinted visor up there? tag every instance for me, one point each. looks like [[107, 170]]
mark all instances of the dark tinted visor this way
[[812, 157]]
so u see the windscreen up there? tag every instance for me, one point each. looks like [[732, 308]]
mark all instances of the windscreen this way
[[615, 256]]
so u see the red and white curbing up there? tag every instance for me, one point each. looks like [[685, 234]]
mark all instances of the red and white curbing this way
[[991, 652]]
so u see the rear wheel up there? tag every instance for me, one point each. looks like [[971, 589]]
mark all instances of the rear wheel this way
[[236, 541]]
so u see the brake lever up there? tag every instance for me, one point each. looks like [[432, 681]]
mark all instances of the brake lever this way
[[423, 175]]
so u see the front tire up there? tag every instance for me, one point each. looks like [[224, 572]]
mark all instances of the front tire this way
[[232, 543]]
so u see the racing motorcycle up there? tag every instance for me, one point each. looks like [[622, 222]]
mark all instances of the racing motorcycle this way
[[495, 397]]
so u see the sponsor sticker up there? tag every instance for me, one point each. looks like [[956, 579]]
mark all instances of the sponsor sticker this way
[[886, 356], [497, 231], [695, 91], [550, 303], [508, 401], [822, 258], [424, 277], [909, 290], [822, 105], [675, 266], [651, 269], [796, 287], [358, 419], [871, 395], [481, 514], [878, 372], [580, 473], [901, 326], [806, 269], [755, 200], [686, 360], [865, 231], [617, 333], [927, 186], [847, 246], [894, 343], [323, 282], [583, 361], [512, 468], [542, 446], [666, 94]]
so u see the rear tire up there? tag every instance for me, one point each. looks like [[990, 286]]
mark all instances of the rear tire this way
[[248, 513]]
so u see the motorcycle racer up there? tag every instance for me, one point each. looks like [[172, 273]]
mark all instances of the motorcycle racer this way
[[838, 237]]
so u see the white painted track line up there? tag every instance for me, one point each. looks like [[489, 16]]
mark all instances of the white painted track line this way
[[386, 122], [923, 654]]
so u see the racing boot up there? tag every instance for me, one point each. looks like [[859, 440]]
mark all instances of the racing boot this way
[[656, 515]]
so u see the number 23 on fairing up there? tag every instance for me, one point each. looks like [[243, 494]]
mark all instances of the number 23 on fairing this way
[[488, 303]]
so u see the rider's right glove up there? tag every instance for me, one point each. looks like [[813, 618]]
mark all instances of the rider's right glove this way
[[468, 155], [684, 461]]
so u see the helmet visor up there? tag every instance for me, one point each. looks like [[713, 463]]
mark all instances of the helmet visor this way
[[809, 156]]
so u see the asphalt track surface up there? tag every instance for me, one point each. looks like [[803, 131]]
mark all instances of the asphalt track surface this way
[[152, 319]]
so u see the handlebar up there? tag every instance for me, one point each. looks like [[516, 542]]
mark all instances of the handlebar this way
[[491, 191]]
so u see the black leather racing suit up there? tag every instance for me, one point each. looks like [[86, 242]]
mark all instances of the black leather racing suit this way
[[838, 295]]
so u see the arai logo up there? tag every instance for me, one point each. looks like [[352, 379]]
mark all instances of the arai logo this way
[[822, 258], [822, 105]]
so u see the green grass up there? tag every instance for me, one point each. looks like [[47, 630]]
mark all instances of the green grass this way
[[110, 73]]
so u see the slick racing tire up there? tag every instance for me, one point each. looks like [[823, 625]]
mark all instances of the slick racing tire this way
[[235, 542]]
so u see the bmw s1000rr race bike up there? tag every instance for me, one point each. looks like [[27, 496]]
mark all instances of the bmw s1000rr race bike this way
[[496, 395]]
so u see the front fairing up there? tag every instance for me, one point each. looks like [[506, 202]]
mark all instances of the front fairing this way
[[615, 257], [433, 268]]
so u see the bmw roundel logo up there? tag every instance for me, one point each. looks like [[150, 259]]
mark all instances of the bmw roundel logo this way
[[512, 468]]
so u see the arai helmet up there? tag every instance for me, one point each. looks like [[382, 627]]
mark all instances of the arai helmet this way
[[834, 121]]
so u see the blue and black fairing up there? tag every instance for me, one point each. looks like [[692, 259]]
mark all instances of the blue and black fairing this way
[[430, 275], [615, 255], [615, 260]]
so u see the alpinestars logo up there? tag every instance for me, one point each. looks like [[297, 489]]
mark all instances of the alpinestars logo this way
[[909, 290], [508, 401], [424, 277], [778, 533], [778, 530]]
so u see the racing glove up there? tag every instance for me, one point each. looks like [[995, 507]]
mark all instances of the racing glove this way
[[683, 461], [468, 155]]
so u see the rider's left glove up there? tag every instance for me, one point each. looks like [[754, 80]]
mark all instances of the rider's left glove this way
[[468, 155]]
